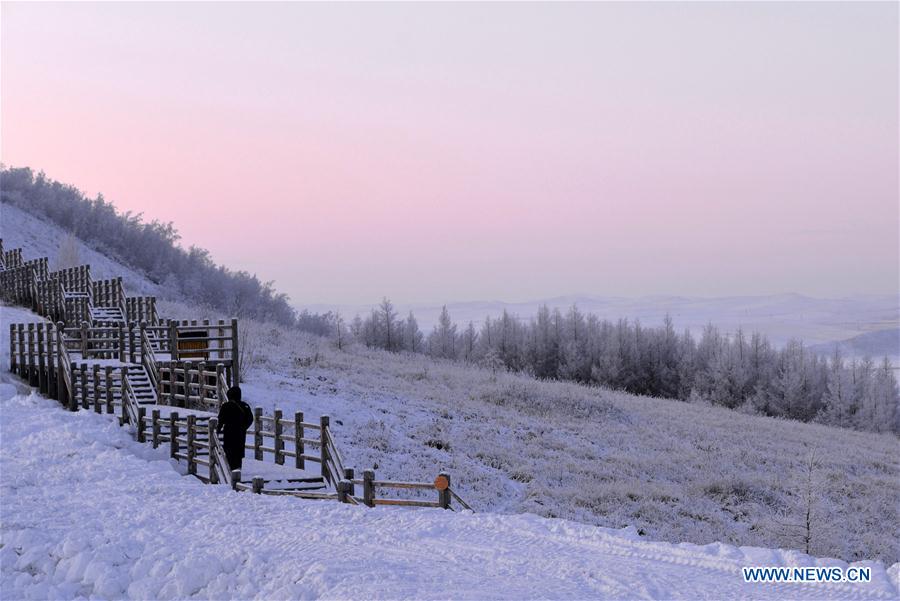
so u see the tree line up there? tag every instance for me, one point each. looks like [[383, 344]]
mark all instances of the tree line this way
[[738, 371], [149, 247]]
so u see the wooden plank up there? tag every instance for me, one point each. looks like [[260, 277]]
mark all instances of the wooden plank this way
[[416, 485], [459, 499], [407, 503]]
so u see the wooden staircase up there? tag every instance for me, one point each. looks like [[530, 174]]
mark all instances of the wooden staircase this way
[[297, 484], [140, 383], [108, 315]]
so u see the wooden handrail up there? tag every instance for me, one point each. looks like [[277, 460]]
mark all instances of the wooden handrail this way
[[64, 363], [129, 403], [148, 358]]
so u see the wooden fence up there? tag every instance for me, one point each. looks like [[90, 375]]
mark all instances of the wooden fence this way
[[37, 353], [208, 341], [109, 293], [75, 279], [141, 309], [51, 300], [18, 285], [12, 258], [190, 364], [191, 385]]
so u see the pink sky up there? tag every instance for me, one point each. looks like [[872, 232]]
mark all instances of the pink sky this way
[[453, 152]]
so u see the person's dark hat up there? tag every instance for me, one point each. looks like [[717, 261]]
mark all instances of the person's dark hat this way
[[234, 393]]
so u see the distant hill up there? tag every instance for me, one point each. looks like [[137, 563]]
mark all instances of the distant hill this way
[[780, 317], [874, 344]]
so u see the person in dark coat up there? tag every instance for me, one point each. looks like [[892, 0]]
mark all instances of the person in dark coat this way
[[235, 417]]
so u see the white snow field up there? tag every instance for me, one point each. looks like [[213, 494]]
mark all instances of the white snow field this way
[[89, 513]]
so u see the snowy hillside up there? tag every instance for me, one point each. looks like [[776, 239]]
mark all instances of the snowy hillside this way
[[37, 238], [90, 513]]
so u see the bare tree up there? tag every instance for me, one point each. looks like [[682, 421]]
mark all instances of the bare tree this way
[[69, 254]]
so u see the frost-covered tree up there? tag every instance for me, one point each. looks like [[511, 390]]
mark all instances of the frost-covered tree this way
[[468, 343], [839, 402], [388, 327], [803, 522], [442, 341], [412, 336]]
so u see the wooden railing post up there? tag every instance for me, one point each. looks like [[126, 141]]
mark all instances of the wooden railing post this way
[[257, 434], [154, 425], [369, 487], [123, 372], [323, 448], [235, 478], [41, 373], [143, 334], [258, 485], [187, 383], [52, 387], [84, 340], [109, 388], [96, 399], [23, 367], [31, 372], [220, 377], [122, 343], [85, 402], [444, 495], [12, 347], [343, 490], [348, 476], [173, 340], [235, 355], [191, 435], [173, 434], [279, 441], [131, 343], [299, 462], [141, 417], [65, 389], [172, 383], [201, 385], [213, 457]]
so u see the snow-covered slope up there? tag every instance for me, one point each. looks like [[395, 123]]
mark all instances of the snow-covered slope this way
[[90, 513], [37, 238]]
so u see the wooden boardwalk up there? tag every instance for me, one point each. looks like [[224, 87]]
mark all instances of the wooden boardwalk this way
[[104, 351]]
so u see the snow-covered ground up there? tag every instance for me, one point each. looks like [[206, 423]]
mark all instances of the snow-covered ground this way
[[87, 512]]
